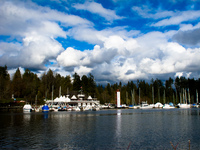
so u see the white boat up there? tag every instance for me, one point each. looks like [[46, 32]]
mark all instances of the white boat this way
[[158, 105], [167, 106], [136, 107], [184, 105], [87, 107], [96, 108], [76, 109], [27, 108], [146, 106], [54, 109], [37, 109]]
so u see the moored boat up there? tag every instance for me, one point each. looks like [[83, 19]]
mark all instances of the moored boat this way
[[167, 106], [158, 105], [184, 105], [146, 106], [45, 108], [27, 108]]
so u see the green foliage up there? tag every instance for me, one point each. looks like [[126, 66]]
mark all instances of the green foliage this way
[[5, 88], [28, 85]]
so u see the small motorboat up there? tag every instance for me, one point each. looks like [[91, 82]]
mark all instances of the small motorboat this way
[[27, 108], [45, 108], [167, 106]]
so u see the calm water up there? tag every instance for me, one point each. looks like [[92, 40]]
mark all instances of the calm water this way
[[105, 129]]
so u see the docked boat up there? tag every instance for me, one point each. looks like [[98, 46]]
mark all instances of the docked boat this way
[[37, 109], [158, 105], [184, 105], [27, 108], [167, 106], [45, 108], [76, 109], [146, 106]]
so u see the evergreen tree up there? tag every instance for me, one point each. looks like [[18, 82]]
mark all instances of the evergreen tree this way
[[4, 83], [76, 82], [17, 85]]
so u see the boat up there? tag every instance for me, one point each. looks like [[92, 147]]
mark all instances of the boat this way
[[37, 109], [95, 108], [158, 105], [167, 106], [45, 108], [27, 108], [146, 106], [184, 105], [54, 109], [76, 108], [69, 109]]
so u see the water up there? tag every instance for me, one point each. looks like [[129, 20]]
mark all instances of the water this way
[[105, 129]]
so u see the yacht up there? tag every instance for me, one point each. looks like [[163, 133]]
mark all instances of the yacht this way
[[158, 105], [184, 105], [146, 106], [167, 106], [27, 108], [45, 108]]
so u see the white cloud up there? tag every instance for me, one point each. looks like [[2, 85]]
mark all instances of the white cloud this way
[[93, 36], [147, 12], [26, 16], [36, 28], [70, 57], [97, 8], [178, 18], [34, 52], [119, 54], [82, 70]]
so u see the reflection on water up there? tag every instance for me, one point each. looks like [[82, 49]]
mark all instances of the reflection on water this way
[[105, 129]]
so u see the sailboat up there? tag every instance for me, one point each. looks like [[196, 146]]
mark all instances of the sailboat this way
[[167, 106], [158, 104], [185, 104], [36, 108]]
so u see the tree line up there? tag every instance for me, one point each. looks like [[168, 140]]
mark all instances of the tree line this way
[[29, 87]]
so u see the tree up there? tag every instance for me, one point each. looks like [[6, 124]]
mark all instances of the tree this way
[[91, 85], [85, 82], [169, 90], [76, 82], [67, 84], [4, 83], [17, 84]]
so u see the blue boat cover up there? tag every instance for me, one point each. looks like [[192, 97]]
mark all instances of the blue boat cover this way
[[45, 107]]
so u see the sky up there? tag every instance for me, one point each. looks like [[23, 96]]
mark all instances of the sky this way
[[114, 40]]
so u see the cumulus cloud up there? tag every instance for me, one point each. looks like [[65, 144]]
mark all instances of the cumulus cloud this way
[[119, 53], [34, 52], [71, 57], [188, 37], [178, 18], [147, 12], [97, 8], [135, 58], [36, 29], [24, 16], [93, 36]]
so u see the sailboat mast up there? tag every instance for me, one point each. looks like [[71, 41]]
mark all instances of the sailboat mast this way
[[183, 97], [139, 96], [60, 91], [189, 96], [152, 94], [164, 97], [52, 93]]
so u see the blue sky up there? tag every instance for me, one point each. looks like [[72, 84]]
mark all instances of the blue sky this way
[[115, 40]]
